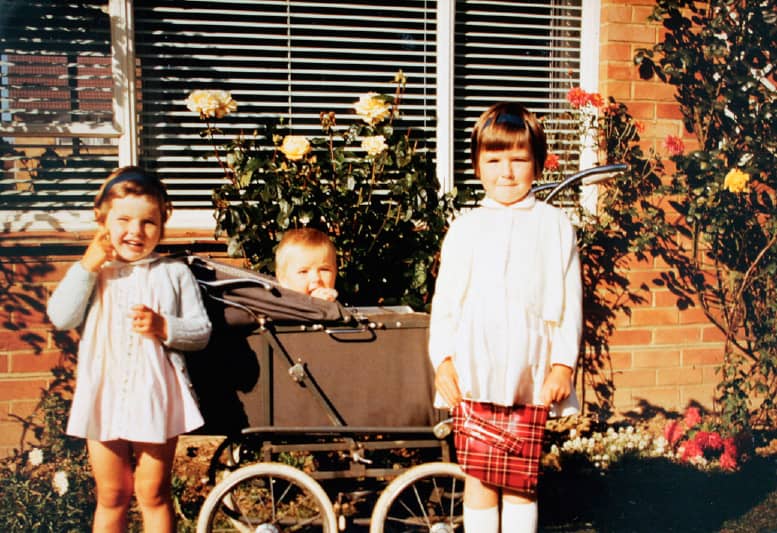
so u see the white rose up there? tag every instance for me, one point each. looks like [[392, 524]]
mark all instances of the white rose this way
[[295, 147], [374, 145], [372, 108], [211, 103]]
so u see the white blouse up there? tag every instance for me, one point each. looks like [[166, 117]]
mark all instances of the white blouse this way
[[129, 386], [508, 302]]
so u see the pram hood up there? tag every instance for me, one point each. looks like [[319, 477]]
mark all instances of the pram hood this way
[[243, 298]]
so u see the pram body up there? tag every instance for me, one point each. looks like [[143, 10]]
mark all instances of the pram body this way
[[286, 375]]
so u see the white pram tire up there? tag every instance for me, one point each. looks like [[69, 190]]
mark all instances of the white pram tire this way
[[426, 498], [267, 497]]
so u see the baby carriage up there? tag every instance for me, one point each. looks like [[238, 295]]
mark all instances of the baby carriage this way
[[328, 411]]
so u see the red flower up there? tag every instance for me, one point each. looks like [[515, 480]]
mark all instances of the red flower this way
[[551, 162], [675, 146], [673, 432], [595, 99], [691, 449], [577, 97], [639, 126], [730, 446], [702, 438], [692, 417], [715, 441], [728, 462]]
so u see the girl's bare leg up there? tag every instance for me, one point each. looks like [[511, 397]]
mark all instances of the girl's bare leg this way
[[481, 507], [153, 475], [112, 469]]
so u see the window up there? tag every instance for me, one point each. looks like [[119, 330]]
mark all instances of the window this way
[[59, 133], [72, 110]]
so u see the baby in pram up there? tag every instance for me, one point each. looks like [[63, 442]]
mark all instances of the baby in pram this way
[[306, 261]]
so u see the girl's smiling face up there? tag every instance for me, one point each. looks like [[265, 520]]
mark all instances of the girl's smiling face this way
[[506, 175], [134, 223]]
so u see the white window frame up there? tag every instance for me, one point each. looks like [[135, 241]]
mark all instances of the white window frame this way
[[125, 129]]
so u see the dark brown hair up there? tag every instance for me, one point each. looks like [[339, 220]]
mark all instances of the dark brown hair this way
[[507, 125]]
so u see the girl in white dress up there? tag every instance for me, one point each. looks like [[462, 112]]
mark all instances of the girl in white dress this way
[[507, 312], [137, 311]]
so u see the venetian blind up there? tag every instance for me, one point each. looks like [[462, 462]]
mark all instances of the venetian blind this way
[[278, 59], [513, 50]]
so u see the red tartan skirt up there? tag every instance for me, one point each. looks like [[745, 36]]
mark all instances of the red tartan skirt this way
[[501, 446]]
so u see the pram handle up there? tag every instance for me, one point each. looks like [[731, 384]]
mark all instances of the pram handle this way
[[599, 174], [220, 284]]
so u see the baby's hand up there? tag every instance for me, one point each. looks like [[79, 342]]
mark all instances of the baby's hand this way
[[325, 293], [148, 322], [557, 386], [99, 251]]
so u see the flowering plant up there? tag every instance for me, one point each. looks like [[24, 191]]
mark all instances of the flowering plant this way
[[604, 449], [613, 233], [370, 186], [724, 188], [704, 443], [48, 487]]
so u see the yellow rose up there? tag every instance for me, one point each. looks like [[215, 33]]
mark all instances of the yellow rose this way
[[374, 145], [736, 181], [211, 103], [295, 147], [372, 108]]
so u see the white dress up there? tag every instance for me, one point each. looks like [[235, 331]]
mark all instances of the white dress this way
[[129, 386], [508, 302]]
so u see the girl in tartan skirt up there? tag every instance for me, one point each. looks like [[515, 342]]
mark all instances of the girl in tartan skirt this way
[[506, 317]]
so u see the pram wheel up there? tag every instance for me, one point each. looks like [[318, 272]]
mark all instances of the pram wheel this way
[[426, 498], [267, 498]]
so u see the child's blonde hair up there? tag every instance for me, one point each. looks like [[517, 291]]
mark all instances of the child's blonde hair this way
[[132, 180], [506, 125], [304, 238]]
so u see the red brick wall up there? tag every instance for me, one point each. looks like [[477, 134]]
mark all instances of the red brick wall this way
[[660, 355]]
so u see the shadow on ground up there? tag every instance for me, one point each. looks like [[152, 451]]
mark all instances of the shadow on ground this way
[[657, 495]]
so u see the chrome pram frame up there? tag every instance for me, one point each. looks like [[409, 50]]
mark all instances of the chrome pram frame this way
[[393, 476]]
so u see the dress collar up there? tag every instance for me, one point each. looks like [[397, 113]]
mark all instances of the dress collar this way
[[151, 258], [527, 202]]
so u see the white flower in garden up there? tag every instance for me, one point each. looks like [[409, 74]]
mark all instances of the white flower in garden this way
[[372, 108], [211, 103], [35, 457], [295, 147], [60, 483], [374, 145]]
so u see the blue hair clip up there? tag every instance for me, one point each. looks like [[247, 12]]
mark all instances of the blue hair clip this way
[[509, 119]]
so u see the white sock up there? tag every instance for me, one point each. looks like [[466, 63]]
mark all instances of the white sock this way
[[481, 520], [518, 517]]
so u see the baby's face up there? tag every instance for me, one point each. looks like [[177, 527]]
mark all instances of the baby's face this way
[[308, 269]]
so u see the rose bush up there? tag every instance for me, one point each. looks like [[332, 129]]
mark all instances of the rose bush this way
[[369, 185]]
